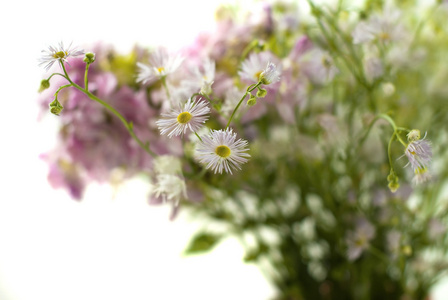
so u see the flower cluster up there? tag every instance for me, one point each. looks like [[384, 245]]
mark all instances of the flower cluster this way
[[290, 131]]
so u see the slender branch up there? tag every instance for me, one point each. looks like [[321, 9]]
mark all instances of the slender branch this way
[[248, 90], [126, 124], [86, 81]]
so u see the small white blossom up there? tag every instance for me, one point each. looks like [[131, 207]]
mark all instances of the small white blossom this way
[[253, 66], [191, 116], [358, 240], [161, 64], [270, 74], [167, 164], [319, 67], [419, 154], [384, 28], [204, 76], [59, 53], [219, 151], [170, 187]]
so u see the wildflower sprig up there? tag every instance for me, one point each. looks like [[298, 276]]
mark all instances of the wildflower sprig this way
[[249, 89], [418, 151], [56, 107]]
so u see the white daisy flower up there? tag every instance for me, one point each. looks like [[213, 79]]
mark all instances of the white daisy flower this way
[[60, 53], [191, 116], [161, 64], [219, 151], [253, 66], [384, 28], [319, 67]]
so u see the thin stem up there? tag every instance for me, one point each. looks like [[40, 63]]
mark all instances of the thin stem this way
[[86, 81], [126, 124], [198, 136], [66, 75], [202, 95], [248, 48], [60, 88], [248, 90], [56, 74], [165, 87], [389, 147]]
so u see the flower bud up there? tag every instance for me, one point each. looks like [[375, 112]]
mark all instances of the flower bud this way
[[393, 186], [392, 179], [413, 135], [252, 101], [89, 58], [261, 93], [56, 107], [44, 84]]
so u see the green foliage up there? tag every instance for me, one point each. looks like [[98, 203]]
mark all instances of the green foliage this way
[[203, 242]]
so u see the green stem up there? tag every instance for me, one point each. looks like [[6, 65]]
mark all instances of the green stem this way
[[389, 147], [86, 81], [391, 122], [248, 48], [248, 90], [202, 95], [165, 87], [60, 88], [56, 74], [198, 136], [126, 124]]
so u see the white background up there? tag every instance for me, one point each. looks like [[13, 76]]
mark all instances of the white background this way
[[53, 248]]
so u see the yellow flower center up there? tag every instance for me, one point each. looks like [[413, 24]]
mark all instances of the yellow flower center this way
[[160, 69], [420, 170], [257, 75], [184, 117], [223, 151], [384, 36], [60, 54]]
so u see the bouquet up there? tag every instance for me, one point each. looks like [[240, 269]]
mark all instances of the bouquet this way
[[313, 133]]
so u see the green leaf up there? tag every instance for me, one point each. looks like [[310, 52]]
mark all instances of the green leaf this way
[[203, 242]]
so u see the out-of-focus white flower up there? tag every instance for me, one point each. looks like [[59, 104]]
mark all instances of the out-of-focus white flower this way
[[393, 238], [170, 187], [436, 228], [319, 67], [384, 28], [205, 76], [219, 151], [167, 164], [358, 240], [373, 67], [59, 53], [161, 64], [191, 116]]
